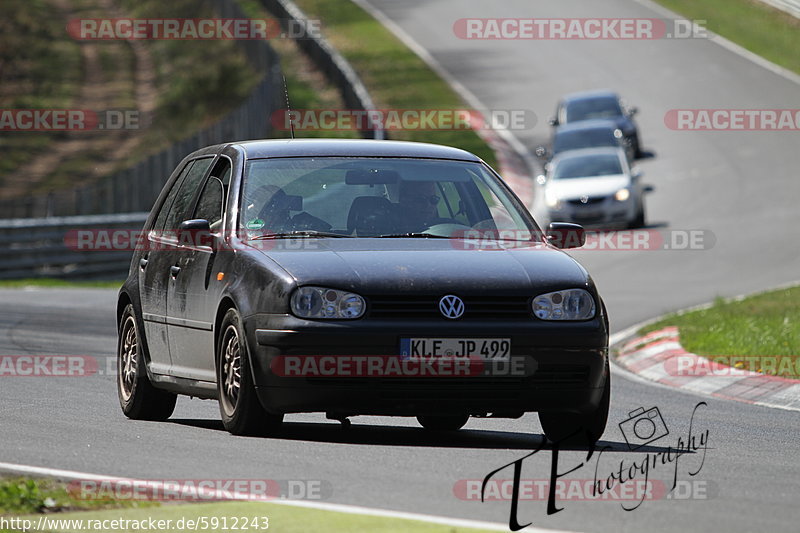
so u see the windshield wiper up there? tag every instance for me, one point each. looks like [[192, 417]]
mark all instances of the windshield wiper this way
[[298, 233], [412, 235]]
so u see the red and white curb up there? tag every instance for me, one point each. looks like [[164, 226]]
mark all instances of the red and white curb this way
[[659, 357]]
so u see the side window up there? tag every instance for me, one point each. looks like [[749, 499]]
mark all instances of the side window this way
[[211, 202], [162, 214], [186, 192]]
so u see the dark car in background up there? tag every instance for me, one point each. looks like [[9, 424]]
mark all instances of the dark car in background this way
[[599, 104], [597, 133], [272, 269]]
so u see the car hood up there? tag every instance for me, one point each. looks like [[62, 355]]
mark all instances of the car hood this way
[[593, 186], [423, 266]]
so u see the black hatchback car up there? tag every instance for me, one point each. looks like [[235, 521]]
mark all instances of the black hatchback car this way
[[358, 277]]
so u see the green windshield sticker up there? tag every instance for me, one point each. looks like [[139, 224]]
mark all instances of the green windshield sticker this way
[[256, 223]]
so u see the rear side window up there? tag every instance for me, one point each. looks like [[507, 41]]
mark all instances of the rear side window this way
[[182, 199]]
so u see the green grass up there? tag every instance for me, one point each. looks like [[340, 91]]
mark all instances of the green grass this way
[[281, 518], [394, 76], [766, 31], [58, 283], [20, 496], [765, 325]]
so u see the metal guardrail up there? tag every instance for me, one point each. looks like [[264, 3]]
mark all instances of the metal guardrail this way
[[37, 247], [789, 6]]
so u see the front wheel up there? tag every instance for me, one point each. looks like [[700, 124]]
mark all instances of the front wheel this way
[[442, 422], [137, 396], [579, 428], [239, 407]]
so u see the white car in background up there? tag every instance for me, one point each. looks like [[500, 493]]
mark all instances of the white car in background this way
[[594, 187]]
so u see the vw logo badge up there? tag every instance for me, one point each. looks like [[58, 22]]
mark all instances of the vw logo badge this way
[[584, 199], [451, 306]]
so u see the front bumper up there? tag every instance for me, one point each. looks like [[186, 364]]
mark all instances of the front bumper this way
[[608, 213], [565, 367]]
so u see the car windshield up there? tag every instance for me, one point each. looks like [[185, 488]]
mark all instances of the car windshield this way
[[376, 197], [604, 107], [590, 138], [587, 166]]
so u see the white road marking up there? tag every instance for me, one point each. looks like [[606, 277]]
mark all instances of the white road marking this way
[[71, 475]]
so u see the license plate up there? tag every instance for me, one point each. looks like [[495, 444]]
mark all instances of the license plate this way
[[486, 349]]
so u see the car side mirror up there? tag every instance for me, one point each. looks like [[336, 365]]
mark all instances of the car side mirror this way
[[195, 232], [648, 188], [565, 235]]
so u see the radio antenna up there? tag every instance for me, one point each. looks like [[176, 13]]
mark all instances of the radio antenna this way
[[288, 106]]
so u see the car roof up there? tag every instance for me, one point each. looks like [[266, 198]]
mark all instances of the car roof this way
[[592, 124], [349, 148], [589, 95], [582, 152]]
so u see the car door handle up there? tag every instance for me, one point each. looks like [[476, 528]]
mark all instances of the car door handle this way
[[175, 270], [143, 263]]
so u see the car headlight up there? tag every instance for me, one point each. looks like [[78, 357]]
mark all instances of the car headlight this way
[[320, 302], [570, 304], [622, 195], [552, 201]]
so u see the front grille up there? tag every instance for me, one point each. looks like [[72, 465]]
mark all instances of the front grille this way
[[591, 201], [475, 307]]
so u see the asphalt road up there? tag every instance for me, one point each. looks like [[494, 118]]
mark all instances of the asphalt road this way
[[740, 186]]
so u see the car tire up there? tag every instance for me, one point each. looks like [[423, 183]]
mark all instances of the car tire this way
[[442, 422], [240, 409], [573, 428], [139, 399], [637, 149], [640, 220]]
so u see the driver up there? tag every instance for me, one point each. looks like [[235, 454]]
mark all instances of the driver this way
[[419, 204]]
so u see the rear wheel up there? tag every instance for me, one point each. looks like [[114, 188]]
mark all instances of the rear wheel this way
[[239, 407], [577, 428], [137, 396], [443, 422]]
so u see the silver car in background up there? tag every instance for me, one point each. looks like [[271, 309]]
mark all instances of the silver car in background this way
[[594, 187]]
